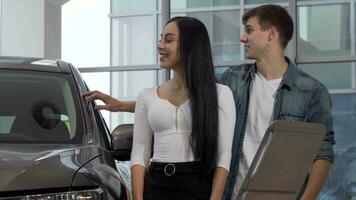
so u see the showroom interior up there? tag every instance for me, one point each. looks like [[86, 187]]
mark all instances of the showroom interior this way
[[113, 44]]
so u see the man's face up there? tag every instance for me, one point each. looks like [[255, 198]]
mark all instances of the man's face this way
[[256, 40]]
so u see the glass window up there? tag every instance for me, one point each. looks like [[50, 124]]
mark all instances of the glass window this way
[[38, 108], [99, 81], [264, 1], [86, 33], [133, 41], [6, 123], [341, 181], [127, 86], [224, 33], [332, 75], [182, 4], [317, 37], [127, 6]]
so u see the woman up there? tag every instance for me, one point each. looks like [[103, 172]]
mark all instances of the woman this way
[[190, 117]]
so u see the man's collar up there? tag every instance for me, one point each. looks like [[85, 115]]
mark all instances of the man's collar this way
[[288, 77]]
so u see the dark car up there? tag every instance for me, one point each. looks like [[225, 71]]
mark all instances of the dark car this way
[[53, 144]]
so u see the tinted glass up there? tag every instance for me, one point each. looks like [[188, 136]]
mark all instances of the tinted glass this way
[[224, 32], [179, 4], [99, 81], [127, 86], [37, 108], [341, 182], [264, 1], [318, 37], [333, 75], [133, 41], [127, 6]]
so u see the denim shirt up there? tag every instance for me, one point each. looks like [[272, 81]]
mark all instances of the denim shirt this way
[[299, 97]]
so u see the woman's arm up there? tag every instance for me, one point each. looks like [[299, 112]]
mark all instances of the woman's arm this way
[[227, 117], [111, 104], [137, 178], [219, 180], [141, 147]]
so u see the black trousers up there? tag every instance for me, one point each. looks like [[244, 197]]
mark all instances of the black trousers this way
[[176, 181]]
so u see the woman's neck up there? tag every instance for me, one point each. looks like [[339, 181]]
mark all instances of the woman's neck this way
[[178, 82]]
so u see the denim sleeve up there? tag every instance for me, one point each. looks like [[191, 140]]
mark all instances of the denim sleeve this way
[[230, 79], [320, 112], [226, 77]]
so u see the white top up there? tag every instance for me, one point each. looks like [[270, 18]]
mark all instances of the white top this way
[[171, 127], [259, 117]]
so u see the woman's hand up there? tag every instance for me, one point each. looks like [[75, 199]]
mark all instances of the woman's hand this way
[[111, 104]]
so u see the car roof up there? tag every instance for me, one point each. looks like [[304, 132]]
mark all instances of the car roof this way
[[34, 64]]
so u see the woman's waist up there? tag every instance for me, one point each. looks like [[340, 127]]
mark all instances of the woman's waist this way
[[172, 152], [171, 132], [171, 168]]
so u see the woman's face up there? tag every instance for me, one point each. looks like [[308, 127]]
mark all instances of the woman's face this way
[[168, 47]]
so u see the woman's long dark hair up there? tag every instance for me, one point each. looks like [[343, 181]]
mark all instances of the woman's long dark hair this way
[[198, 70]]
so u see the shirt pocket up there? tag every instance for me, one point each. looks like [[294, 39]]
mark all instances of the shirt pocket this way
[[294, 117]]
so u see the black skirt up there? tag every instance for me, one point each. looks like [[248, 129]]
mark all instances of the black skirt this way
[[176, 181]]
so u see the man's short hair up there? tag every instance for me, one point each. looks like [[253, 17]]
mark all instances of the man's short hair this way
[[272, 15]]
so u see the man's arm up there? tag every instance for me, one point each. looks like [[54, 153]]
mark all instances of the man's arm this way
[[320, 112], [317, 177]]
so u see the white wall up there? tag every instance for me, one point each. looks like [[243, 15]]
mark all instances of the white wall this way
[[31, 28], [22, 28]]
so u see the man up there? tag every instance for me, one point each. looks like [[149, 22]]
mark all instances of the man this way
[[270, 89]]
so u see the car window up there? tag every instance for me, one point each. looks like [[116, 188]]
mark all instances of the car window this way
[[102, 130], [6, 123], [38, 107]]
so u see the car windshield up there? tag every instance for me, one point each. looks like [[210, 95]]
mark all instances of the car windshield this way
[[38, 107]]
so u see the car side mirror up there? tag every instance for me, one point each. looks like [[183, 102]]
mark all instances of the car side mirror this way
[[121, 141]]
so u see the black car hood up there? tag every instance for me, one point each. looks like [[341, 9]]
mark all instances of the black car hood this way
[[31, 167]]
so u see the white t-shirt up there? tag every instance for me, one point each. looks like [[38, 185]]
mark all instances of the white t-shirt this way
[[171, 127], [260, 110]]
